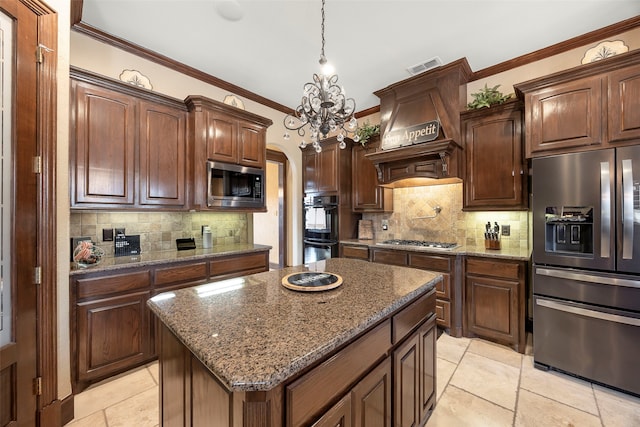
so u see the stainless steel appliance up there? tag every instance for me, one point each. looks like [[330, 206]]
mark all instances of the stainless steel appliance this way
[[426, 244], [320, 228], [586, 254], [230, 185]]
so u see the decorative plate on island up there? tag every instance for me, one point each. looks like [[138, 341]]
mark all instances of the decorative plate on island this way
[[311, 281]]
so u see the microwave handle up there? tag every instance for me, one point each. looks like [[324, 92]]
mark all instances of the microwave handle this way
[[605, 210], [627, 209]]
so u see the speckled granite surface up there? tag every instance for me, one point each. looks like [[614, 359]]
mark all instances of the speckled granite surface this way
[[165, 257], [258, 333], [506, 253]]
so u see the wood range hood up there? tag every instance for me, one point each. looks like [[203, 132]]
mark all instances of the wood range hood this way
[[436, 95]]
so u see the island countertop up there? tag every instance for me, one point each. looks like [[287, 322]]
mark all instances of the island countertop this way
[[252, 333]]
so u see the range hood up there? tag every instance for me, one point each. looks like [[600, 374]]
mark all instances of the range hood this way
[[426, 106]]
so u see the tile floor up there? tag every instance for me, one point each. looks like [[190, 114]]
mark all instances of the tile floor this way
[[479, 384]]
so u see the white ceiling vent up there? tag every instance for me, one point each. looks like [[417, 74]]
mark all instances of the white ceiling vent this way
[[425, 65]]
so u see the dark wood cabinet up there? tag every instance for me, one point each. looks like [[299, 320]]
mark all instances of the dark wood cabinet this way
[[448, 302], [588, 107], [496, 168], [127, 146], [414, 377], [371, 398], [354, 251], [112, 329], [338, 416], [222, 133], [367, 194], [495, 300], [624, 104], [329, 171]]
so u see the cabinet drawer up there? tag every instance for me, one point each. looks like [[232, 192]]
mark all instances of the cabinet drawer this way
[[309, 395], [105, 285], [443, 313], [240, 265], [411, 316], [184, 274], [359, 252], [493, 268], [389, 257], [443, 288], [431, 262]]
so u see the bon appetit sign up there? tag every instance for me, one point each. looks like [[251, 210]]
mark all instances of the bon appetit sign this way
[[416, 134]]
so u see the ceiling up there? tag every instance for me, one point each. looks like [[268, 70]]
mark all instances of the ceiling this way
[[274, 46]]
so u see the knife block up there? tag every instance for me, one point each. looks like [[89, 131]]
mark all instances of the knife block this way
[[491, 244]]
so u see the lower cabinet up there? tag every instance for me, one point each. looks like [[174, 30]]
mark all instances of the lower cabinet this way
[[112, 330], [495, 298]]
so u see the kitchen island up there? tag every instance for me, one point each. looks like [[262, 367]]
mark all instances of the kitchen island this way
[[248, 351]]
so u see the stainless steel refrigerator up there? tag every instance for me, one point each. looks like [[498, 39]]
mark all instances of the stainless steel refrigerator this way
[[586, 265]]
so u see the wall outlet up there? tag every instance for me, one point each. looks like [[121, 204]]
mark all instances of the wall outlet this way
[[107, 234], [506, 230], [385, 224], [120, 231]]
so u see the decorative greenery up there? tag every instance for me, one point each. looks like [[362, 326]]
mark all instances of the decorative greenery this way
[[487, 97], [366, 131]]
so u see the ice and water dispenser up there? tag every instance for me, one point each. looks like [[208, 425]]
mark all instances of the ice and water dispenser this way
[[569, 229]]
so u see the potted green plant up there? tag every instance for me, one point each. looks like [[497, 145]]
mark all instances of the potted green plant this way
[[487, 96], [366, 131]]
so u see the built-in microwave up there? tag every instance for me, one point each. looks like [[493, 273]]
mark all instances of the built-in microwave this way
[[235, 186]]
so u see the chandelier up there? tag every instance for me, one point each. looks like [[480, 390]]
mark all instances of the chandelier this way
[[324, 107]]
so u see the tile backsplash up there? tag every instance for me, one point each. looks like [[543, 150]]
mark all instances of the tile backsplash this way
[[414, 217], [159, 230]]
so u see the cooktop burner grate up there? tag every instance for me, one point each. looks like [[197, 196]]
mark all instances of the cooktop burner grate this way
[[421, 243]]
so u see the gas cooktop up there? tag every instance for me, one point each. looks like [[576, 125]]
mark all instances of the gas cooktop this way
[[419, 243]]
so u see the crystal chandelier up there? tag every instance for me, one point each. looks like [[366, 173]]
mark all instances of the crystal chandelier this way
[[324, 107]]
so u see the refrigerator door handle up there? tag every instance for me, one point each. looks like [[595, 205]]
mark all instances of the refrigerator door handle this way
[[627, 209], [588, 313], [605, 210]]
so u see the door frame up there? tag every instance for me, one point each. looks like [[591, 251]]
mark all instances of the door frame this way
[[283, 163]]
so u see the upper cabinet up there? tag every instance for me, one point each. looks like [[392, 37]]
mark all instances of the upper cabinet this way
[[222, 133], [127, 146], [496, 169], [584, 108], [329, 171], [366, 194]]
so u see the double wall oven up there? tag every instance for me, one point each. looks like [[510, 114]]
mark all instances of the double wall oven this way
[[320, 228], [586, 277]]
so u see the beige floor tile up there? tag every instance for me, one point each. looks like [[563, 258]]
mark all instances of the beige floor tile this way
[[457, 408], [444, 373], [487, 378], [154, 370], [140, 410], [97, 419], [560, 387], [535, 411], [107, 393], [496, 352], [617, 409], [450, 348]]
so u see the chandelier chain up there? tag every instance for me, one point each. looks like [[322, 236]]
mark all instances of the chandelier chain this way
[[322, 31]]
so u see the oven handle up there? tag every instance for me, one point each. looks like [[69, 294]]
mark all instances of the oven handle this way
[[587, 313], [582, 277], [312, 243]]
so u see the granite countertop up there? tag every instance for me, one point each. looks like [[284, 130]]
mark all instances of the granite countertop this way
[[255, 333], [164, 257], [517, 254]]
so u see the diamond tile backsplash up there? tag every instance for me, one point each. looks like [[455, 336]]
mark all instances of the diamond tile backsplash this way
[[414, 218], [159, 230]]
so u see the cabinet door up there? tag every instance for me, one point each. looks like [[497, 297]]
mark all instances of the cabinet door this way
[[338, 416], [310, 170], [624, 104], [427, 340], [495, 161], [102, 147], [492, 307], [113, 333], [371, 398], [367, 195], [251, 145], [221, 136], [406, 369], [565, 117], [162, 155], [327, 173]]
